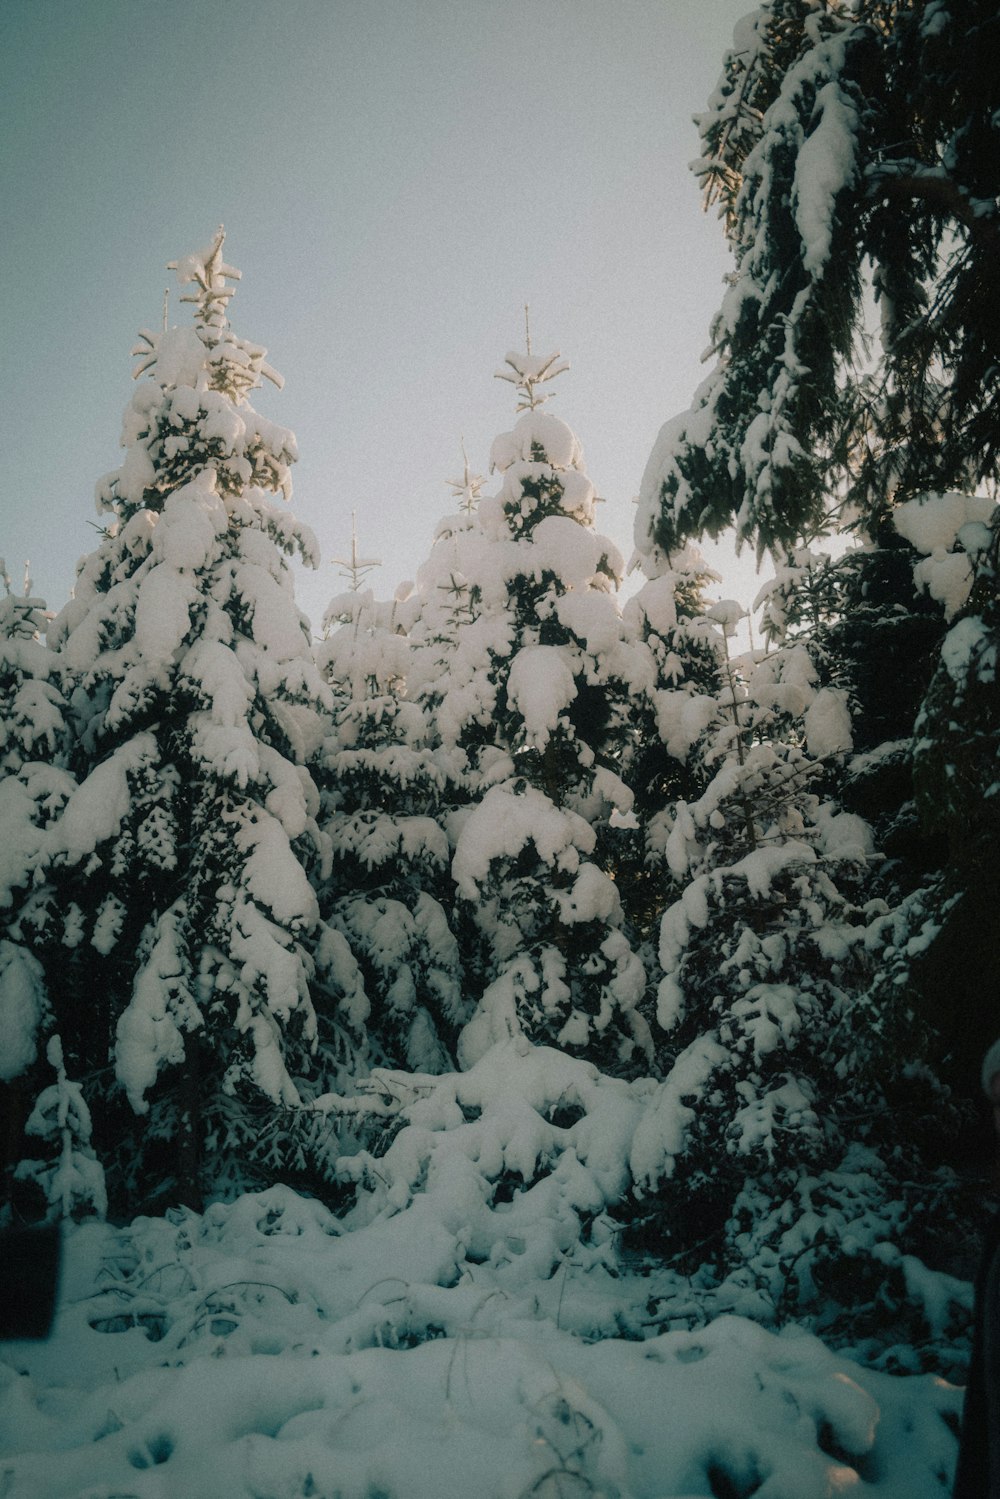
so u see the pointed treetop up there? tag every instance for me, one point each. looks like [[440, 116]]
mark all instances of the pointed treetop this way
[[209, 272], [231, 365], [467, 489], [527, 371], [355, 568]]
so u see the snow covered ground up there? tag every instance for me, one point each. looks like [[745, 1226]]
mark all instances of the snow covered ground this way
[[261, 1350]]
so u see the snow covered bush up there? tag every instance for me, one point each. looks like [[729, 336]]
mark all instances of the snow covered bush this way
[[263, 1347], [519, 1155], [532, 1167], [71, 1178]]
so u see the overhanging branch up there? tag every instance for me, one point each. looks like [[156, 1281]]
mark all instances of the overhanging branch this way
[[939, 193]]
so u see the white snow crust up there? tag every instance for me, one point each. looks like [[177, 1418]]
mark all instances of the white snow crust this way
[[440, 1347]]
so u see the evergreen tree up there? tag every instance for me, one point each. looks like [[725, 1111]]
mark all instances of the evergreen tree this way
[[941, 959], [183, 924], [876, 625], [70, 1178], [389, 887], [667, 623], [850, 148], [785, 1119], [524, 656], [853, 153], [34, 787]]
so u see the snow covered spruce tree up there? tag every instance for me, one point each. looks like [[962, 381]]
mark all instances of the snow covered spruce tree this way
[[833, 143], [181, 926], [384, 785], [762, 955], [853, 152], [873, 622], [667, 624], [35, 784], [940, 960], [521, 649], [842, 138]]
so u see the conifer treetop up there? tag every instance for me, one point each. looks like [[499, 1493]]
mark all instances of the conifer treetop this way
[[234, 366], [355, 568], [209, 273], [26, 595], [468, 488], [527, 371]]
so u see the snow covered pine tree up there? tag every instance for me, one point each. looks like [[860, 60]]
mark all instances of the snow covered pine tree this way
[[845, 159], [180, 915], [384, 787], [35, 784], [853, 151], [531, 688]]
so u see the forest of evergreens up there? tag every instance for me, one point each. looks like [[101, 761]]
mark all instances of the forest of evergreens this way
[[273, 904]]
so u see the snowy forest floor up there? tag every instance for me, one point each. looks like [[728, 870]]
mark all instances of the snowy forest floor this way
[[260, 1350]]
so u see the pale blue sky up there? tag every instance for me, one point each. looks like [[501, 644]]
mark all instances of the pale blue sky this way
[[396, 180]]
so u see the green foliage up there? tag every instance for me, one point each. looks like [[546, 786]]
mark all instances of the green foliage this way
[[852, 149]]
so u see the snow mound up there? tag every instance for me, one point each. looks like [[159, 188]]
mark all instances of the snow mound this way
[[258, 1349]]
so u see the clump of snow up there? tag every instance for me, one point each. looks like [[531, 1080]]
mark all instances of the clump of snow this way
[[540, 687], [23, 1006], [843, 835], [932, 522], [824, 167], [660, 1136], [504, 823], [727, 613], [537, 434], [970, 643], [950, 530], [150, 1031], [827, 724], [762, 867], [95, 809]]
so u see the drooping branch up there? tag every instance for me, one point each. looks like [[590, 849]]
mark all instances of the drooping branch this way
[[939, 193]]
